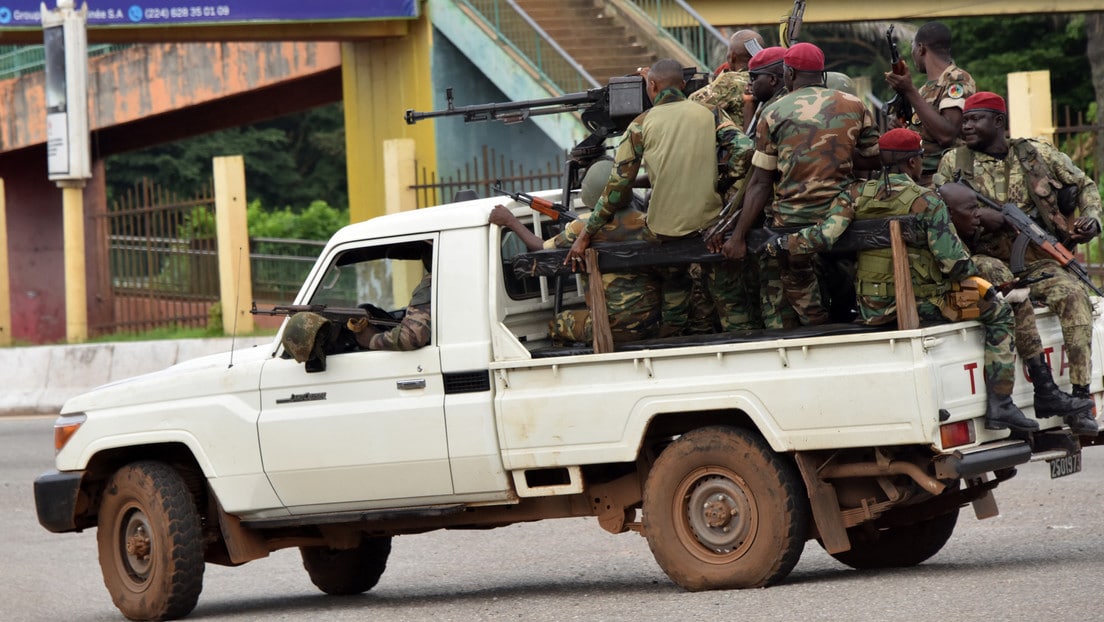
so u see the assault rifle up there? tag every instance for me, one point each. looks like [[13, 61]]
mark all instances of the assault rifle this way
[[790, 27], [898, 107], [555, 211], [1031, 233], [340, 315]]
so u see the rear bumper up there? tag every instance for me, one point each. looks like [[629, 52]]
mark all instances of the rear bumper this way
[[56, 496], [973, 462]]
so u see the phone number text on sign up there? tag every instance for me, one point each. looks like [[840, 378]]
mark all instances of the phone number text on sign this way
[[186, 12]]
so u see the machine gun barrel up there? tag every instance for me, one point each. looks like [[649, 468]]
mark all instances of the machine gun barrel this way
[[512, 112]]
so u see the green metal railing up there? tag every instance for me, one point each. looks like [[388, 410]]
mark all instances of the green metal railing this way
[[681, 22], [20, 60], [521, 35]]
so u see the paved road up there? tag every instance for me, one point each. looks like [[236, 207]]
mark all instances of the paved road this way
[[1041, 559]]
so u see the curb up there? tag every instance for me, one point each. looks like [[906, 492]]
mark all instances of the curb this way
[[39, 379]]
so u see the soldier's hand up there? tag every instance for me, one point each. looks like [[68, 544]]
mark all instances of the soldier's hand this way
[[501, 216], [715, 242], [357, 325], [734, 248], [900, 82], [1084, 229], [575, 257]]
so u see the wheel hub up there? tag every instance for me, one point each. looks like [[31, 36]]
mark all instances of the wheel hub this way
[[719, 514], [137, 544]]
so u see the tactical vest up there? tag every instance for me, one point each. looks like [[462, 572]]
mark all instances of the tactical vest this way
[[874, 273], [1042, 187]]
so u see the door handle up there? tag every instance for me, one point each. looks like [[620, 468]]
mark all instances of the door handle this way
[[407, 385]]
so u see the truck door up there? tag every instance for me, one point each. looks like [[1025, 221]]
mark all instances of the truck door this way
[[370, 426]]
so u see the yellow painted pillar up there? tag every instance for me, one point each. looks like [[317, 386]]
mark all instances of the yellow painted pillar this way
[[381, 79], [5, 273], [235, 275], [398, 175], [1030, 109], [76, 285]]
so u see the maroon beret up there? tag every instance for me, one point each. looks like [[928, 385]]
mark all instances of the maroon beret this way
[[899, 139], [986, 102], [767, 57], [804, 57]]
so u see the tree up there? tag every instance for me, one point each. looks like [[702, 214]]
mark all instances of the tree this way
[[1094, 29], [290, 161]]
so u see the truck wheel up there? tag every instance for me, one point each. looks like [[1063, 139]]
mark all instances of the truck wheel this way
[[721, 510], [343, 572], [150, 543], [897, 547]]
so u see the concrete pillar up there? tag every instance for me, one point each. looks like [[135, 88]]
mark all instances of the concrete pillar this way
[[381, 79], [398, 175], [76, 278], [235, 275], [5, 276], [1030, 108]]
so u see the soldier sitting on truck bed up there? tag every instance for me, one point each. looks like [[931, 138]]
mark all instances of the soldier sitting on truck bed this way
[[632, 298], [940, 268]]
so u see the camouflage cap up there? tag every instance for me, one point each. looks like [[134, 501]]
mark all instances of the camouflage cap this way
[[304, 336]]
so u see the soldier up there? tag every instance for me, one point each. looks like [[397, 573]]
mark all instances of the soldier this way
[[679, 141], [936, 106], [728, 90], [1050, 401], [935, 266], [632, 298], [809, 141], [1045, 185], [414, 330]]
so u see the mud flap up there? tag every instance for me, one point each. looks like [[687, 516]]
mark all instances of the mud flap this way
[[825, 506]]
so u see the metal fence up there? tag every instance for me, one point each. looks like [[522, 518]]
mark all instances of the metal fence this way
[[483, 171], [20, 60]]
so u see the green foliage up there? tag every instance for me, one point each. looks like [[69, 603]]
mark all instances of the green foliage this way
[[319, 221], [289, 161]]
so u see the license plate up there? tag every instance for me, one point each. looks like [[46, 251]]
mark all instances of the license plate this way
[[1061, 467]]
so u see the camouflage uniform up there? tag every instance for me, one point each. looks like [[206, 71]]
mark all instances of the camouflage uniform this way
[[808, 136], [943, 261], [1029, 177], [632, 297], [414, 330], [949, 90], [774, 311], [726, 91], [684, 196]]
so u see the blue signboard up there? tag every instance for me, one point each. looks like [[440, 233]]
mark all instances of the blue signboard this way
[[25, 13]]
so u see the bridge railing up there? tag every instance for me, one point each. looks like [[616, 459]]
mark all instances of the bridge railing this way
[[20, 60], [678, 20]]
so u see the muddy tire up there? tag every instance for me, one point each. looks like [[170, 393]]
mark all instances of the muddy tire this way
[[898, 547], [343, 572], [721, 510], [150, 543]]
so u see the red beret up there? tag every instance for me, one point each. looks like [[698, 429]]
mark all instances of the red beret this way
[[899, 139], [804, 57], [985, 101], [767, 57]]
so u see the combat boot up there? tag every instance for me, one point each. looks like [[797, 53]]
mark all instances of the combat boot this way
[[1050, 401], [1002, 414], [1082, 423]]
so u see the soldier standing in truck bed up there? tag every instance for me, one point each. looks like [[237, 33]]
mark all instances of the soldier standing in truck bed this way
[[809, 141], [678, 142]]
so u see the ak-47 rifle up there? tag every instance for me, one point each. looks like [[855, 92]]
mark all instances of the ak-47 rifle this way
[[897, 107], [1031, 233], [339, 315], [555, 211], [790, 27]]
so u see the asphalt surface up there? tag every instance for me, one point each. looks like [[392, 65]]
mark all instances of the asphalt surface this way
[[1043, 558]]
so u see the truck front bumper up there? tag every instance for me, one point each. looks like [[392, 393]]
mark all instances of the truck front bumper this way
[[975, 461], [56, 497]]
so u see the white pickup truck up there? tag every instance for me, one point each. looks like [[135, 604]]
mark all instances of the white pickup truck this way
[[726, 452]]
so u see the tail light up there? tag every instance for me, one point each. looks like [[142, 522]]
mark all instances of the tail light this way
[[956, 434]]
